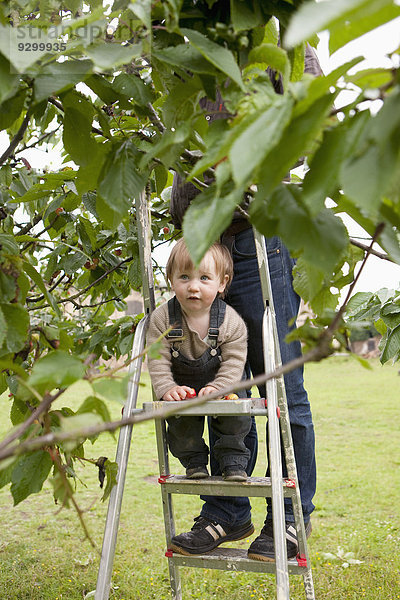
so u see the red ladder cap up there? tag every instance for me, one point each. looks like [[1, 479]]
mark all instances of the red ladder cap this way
[[169, 553], [163, 478], [301, 560], [278, 412], [290, 483]]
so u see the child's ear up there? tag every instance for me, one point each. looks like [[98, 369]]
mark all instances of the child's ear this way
[[223, 284]]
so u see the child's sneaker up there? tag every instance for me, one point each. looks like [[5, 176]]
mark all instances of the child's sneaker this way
[[197, 472], [234, 473]]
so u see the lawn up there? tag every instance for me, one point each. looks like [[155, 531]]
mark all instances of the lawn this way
[[44, 555]]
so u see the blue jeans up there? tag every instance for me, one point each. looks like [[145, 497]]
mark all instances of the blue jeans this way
[[246, 297]]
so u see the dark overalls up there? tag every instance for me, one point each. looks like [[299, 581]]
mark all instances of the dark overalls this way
[[185, 434]]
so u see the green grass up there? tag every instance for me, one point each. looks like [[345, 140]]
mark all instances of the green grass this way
[[356, 415]]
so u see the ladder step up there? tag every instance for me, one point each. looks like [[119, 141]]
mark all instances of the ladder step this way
[[213, 408], [232, 559], [216, 486]]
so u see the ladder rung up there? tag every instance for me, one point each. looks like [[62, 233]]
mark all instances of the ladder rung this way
[[251, 406], [231, 559], [216, 486]]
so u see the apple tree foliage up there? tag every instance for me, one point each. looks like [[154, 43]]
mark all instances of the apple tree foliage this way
[[115, 87]]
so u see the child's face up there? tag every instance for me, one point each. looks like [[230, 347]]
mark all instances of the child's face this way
[[196, 289]]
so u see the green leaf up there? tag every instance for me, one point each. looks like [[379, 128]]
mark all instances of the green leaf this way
[[111, 469], [37, 278], [170, 146], [206, 218], [251, 147], [133, 87], [29, 474], [320, 239], [111, 389], [245, 15], [322, 178], [135, 274], [391, 349], [142, 9], [9, 81], [11, 109], [19, 412], [10, 37], [17, 320], [297, 57], [337, 15], [77, 423], [217, 55], [369, 170], [186, 57], [77, 137], [370, 16], [273, 56], [91, 404], [358, 302], [56, 369], [112, 54], [6, 472], [294, 142], [58, 77], [120, 181]]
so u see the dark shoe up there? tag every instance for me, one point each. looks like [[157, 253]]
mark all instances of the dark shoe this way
[[263, 546], [206, 535], [234, 473], [197, 472]]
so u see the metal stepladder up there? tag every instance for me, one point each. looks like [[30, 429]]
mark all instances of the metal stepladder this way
[[276, 487]]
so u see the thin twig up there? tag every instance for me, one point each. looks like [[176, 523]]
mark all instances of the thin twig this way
[[17, 138], [39, 410], [64, 300], [371, 250]]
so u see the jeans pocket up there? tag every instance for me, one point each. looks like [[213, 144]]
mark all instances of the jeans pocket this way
[[244, 245]]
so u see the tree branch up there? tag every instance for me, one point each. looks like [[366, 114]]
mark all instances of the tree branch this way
[[371, 250], [17, 138], [320, 351], [64, 300]]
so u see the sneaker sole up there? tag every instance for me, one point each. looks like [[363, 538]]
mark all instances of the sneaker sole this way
[[222, 540], [235, 478], [198, 476]]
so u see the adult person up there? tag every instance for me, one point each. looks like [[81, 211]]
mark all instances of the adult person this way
[[221, 518]]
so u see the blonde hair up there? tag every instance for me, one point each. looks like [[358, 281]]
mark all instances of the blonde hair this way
[[179, 260]]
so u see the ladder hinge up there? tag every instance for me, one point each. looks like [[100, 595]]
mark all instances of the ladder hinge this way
[[163, 478], [290, 483], [169, 553], [301, 560]]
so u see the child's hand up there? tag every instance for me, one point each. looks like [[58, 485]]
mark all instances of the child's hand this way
[[209, 389], [178, 392]]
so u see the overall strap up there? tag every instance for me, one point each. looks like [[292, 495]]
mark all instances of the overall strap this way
[[175, 321], [217, 315]]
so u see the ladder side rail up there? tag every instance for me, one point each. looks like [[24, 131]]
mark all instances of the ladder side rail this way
[[167, 505], [125, 436], [122, 455], [286, 432], [144, 234], [278, 512]]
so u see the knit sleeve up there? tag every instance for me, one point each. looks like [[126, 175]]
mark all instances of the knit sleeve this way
[[233, 334], [160, 368]]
